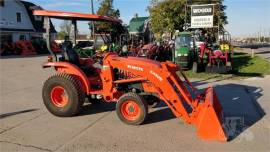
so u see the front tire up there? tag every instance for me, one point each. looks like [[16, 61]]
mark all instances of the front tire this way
[[132, 109], [63, 95]]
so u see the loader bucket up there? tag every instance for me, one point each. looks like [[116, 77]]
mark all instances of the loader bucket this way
[[210, 118]]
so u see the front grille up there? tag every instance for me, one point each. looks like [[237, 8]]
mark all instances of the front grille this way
[[182, 59]]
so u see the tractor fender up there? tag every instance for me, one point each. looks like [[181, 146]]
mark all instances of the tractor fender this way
[[65, 67]]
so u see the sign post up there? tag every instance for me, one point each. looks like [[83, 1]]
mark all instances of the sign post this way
[[202, 16]]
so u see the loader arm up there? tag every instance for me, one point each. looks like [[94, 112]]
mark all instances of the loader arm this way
[[164, 81]]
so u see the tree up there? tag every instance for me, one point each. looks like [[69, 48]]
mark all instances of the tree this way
[[106, 9], [61, 35], [169, 15], [65, 27]]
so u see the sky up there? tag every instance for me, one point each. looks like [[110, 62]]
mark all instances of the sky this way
[[245, 17]]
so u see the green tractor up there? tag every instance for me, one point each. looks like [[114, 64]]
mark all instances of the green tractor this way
[[85, 48], [185, 52], [101, 42]]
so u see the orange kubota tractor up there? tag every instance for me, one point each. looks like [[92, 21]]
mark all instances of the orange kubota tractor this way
[[125, 80]]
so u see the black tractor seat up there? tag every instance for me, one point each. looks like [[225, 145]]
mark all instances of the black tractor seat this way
[[72, 56]]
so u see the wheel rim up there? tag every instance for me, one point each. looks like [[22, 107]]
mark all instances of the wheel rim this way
[[59, 96], [130, 110]]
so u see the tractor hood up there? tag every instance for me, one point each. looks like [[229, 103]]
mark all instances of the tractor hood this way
[[183, 51], [141, 61]]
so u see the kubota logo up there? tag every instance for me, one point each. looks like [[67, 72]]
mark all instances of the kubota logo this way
[[135, 67], [156, 75]]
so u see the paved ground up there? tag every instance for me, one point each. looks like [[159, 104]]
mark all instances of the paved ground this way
[[25, 124]]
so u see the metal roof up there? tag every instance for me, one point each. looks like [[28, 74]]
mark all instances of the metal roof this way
[[75, 16]]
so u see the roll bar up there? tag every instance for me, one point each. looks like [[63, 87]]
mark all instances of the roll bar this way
[[47, 36]]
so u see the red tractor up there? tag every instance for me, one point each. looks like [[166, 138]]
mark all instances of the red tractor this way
[[148, 51], [154, 52], [216, 58], [126, 81]]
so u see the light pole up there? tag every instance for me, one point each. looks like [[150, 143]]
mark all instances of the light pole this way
[[186, 14], [92, 22]]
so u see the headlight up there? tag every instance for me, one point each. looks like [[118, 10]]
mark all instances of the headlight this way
[[124, 49]]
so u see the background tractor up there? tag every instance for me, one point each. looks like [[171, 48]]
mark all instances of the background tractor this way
[[185, 52], [214, 56], [85, 49], [102, 42], [220, 55]]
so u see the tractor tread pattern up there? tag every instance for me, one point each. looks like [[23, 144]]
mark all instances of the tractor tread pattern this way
[[76, 85], [143, 104]]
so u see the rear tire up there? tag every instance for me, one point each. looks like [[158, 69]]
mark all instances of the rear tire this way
[[132, 109], [63, 95]]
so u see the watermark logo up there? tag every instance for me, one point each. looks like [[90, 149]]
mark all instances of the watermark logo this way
[[235, 126]]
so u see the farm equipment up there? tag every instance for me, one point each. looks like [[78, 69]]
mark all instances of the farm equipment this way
[[126, 81], [40, 46], [85, 48], [149, 51], [25, 47], [8, 48], [227, 48], [219, 55], [215, 57], [185, 53], [102, 41], [225, 42], [153, 51]]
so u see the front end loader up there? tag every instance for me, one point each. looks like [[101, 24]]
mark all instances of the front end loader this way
[[126, 81], [161, 79]]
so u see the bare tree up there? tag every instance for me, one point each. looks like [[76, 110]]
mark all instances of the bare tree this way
[[65, 27]]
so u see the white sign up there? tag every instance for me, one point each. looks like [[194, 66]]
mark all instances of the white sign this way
[[201, 21], [202, 16]]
